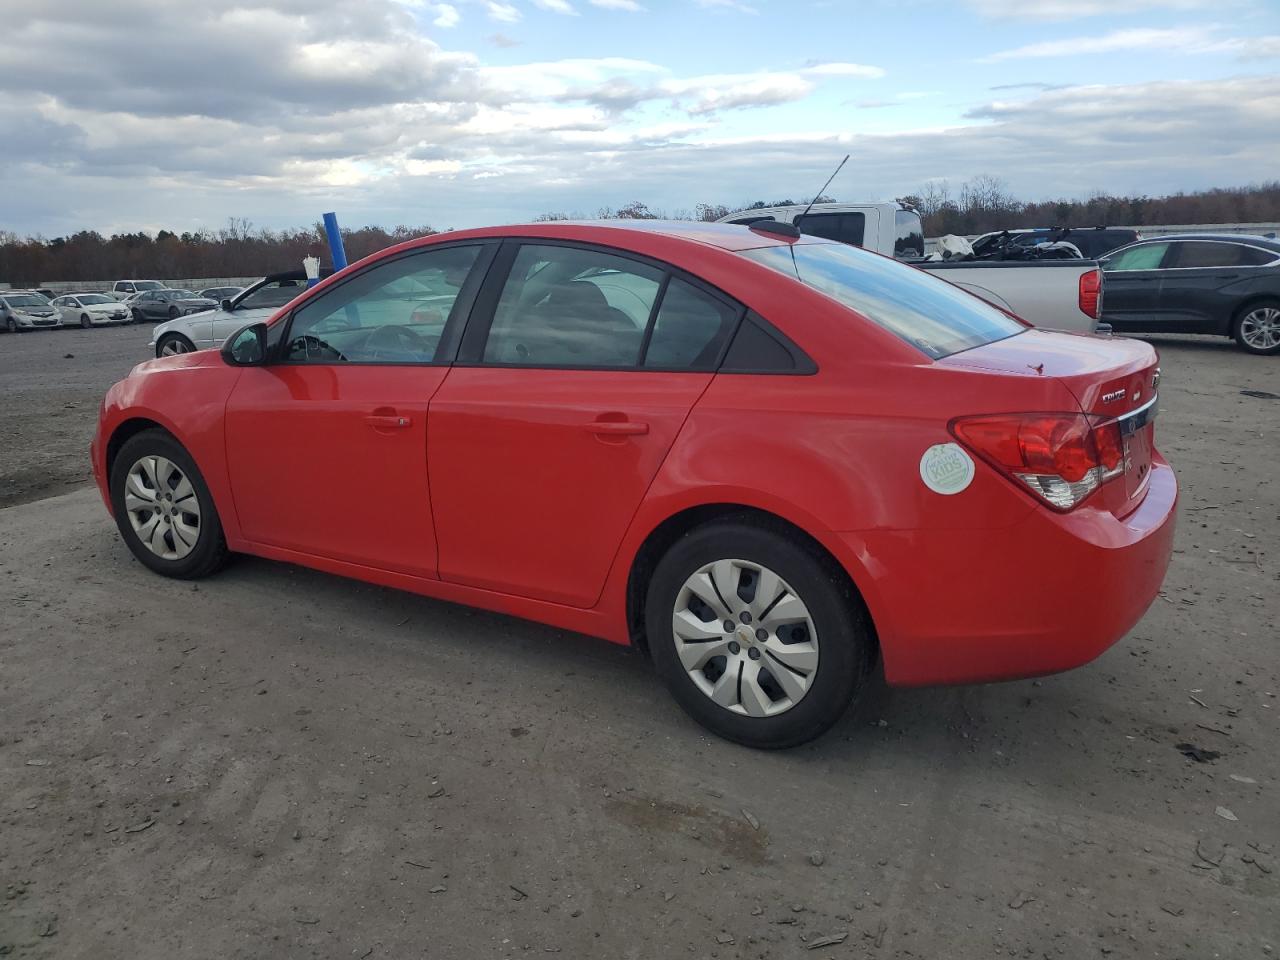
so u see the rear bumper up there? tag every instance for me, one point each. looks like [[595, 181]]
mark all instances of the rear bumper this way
[[1047, 594]]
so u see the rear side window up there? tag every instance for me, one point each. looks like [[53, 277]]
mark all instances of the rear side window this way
[[1209, 253], [930, 314], [760, 348], [844, 227], [1145, 257], [564, 306], [691, 328], [271, 295]]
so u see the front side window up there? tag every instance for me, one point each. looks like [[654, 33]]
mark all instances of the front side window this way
[[91, 298], [1145, 257], [271, 295], [564, 306], [844, 227], [929, 313], [392, 313]]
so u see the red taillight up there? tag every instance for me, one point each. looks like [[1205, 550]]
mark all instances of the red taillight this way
[[1091, 294], [1061, 457]]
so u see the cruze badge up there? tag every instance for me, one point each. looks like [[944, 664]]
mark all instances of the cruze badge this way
[[1113, 396]]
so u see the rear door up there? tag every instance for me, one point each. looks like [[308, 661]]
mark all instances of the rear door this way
[[1194, 291], [1131, 287], [577, 372]]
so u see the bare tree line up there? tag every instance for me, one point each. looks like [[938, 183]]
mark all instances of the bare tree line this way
[[241, 250]]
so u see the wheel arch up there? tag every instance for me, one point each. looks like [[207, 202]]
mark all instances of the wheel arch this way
[[662, 536], [1247, 304], [125, 431]]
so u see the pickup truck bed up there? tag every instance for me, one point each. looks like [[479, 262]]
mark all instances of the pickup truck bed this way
[[1045, 293]]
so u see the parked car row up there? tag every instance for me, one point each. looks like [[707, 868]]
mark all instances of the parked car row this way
[[144, 300]]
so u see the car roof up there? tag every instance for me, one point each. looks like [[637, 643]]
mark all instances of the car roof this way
[[725, 236], [1255, 240]]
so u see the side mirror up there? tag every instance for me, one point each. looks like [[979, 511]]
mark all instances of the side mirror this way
[[247, 347], [226, 304]]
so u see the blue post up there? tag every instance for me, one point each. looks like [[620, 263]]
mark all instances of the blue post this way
[[335, 241]]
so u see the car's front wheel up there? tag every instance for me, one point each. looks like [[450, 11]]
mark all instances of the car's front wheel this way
[[84, 321], [11, 325], [136, 315], [758, 638], [1257, 328], [163, 507], [172, 344]]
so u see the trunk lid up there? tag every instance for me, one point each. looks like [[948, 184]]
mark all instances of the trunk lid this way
[[1111, 378]]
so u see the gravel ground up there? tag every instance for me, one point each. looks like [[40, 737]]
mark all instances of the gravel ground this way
[[276, 762]]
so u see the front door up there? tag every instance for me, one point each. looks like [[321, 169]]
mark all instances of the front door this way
[[545, 436], [1131, 287], [327, 448]]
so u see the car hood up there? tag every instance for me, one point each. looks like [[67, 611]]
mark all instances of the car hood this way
[[198, 358]]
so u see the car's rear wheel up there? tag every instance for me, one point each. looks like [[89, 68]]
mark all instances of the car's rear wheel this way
[[84, 321], [163, 507], [172, 344], [758, 638], [1257, 328]]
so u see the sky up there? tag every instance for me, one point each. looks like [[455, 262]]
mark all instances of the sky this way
[[121, 115]]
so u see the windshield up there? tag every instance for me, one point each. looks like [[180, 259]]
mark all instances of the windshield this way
[[181, 295], [930, 314], [147, 285], [89, 298], [27, 300]]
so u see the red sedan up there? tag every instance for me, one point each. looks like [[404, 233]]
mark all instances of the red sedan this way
[[766, 460]]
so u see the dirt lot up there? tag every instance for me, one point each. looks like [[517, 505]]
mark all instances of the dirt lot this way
[[278, 763]]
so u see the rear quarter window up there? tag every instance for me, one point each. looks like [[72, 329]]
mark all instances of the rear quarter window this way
[[930, 314]]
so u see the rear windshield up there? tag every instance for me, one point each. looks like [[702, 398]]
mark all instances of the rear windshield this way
[[930, 314]]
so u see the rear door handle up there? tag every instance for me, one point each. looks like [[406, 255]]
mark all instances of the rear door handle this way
[[388, 422], [618, 428]]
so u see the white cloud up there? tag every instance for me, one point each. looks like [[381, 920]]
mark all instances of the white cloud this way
[[629, 5], [844, 70], [737, 5], [557, 6], [502, 12], [1189, 39], [1078, 9], [446, 16]]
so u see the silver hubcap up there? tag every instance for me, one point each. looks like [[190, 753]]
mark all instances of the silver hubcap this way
[[745, 637], [163, 508], [171, 347], [1260, 328]]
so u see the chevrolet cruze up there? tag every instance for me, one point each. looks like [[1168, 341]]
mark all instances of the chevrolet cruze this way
[[768, 460]]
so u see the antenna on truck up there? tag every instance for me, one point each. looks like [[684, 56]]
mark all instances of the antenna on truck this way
[[824, 188]]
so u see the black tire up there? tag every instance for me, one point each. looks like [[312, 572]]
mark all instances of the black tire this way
[[85, 321], [210, 550], [187, 345], [846, 641], [1237, 326], [137, 317], [173, 313], [11, 325]]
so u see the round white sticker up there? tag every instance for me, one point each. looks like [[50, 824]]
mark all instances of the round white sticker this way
[[945, 468]]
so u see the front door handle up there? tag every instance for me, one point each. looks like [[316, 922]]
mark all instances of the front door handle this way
[[388, 422], [1226, 276], [618, 428]]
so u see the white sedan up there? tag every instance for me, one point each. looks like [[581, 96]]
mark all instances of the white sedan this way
[[90, 309], [202, 331]]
